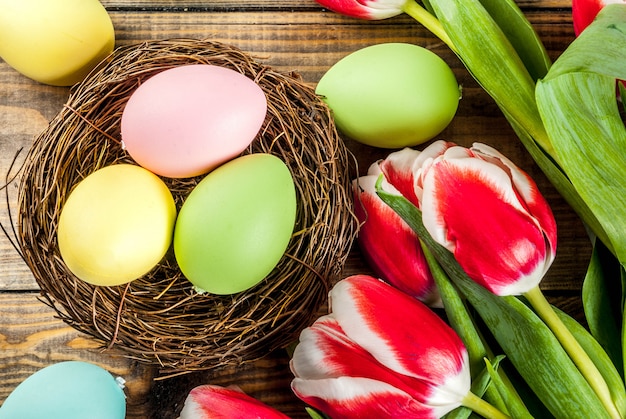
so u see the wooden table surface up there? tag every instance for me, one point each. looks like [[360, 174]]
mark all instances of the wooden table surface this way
[[289, 35]]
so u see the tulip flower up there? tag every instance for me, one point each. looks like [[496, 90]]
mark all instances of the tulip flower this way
[[481, 207], [585, 11], [384, 9], [381, 353], [366, 9], [390, 246], [491, 216], [402, 168], [213, 402]]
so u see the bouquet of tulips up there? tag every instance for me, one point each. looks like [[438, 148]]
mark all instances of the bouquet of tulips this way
[[503, 351]]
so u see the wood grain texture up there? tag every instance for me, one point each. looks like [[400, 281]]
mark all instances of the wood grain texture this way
[[291, 36], [31, 337]]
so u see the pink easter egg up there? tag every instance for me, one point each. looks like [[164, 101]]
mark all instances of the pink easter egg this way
[[188, 120]]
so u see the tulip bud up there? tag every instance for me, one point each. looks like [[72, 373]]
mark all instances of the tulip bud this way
[[379, 353], [482, 208], [390, 246], [213, 402], [365, 9]]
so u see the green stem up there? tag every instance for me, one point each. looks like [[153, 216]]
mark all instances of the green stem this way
[[572, 347], [429, 21], [481, 407]]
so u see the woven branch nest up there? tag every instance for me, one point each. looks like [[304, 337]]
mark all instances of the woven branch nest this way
[[159, 318]]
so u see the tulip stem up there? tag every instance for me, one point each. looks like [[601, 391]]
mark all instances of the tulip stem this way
[[429, 21], [578, 355], [481, 407]]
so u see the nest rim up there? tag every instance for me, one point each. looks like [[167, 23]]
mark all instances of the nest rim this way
[[159, 318]]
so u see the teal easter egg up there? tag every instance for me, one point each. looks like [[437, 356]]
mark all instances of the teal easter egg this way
[[235, 225], [391, 95], [67, 390]]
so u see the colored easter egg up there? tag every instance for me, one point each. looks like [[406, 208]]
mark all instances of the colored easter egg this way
[[55, 42], [187, 120], [236, 224], [116, 225], [391, 95], [67, 390]]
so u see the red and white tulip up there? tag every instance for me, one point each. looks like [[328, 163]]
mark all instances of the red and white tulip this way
[[484, 209], [379, 353], [216, 402], [390, 246], [366, 9]]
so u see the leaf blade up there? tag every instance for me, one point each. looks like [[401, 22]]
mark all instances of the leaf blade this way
[[581, 116]]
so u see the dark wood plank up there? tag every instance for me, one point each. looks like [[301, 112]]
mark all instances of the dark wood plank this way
[[31, 337], [269, 5]]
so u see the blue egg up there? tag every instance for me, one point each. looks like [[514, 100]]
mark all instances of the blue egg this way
[[67, 390]]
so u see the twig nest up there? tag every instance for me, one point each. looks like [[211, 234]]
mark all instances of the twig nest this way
[[160, 318]]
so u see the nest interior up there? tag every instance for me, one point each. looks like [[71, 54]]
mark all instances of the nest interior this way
[[159, 318]]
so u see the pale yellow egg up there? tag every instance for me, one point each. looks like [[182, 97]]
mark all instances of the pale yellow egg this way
[[116, 225], [55, 42]]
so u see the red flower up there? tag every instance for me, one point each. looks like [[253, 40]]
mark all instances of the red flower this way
[[215, 402], [365, 9], [390, 246], [379, 353], [481, 207]]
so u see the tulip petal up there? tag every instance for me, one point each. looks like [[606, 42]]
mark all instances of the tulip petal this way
[[374, 315], [324, 351], [471, 207], [531, 197], [216, 402], [403, 168], [399, 169], [399, 261], [350, 397], [336, 376], [365, 9]]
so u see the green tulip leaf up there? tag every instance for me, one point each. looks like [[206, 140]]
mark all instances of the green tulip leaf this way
[[527, 342], [580, 113], [493, 61], [602, 309], [490, 378], [518, 31], [521, 35], [535, 352], [623, 305], [516, 408], [599, 48], [462, 322], [457, 315], [428, 7], [314, 414], [577, 104]]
